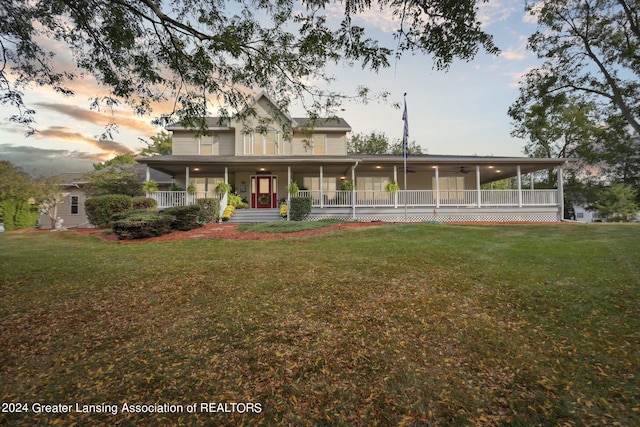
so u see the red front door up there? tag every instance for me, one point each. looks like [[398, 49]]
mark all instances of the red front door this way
[[263, 192]]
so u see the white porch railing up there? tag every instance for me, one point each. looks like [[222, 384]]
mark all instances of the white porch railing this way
[[459, 198], [370, 198], [167, 199]]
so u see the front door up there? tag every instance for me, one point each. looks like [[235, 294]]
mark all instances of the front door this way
[[264, 192]]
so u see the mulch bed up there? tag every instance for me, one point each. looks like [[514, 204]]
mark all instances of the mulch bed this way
[[224, 231], [230, 232]]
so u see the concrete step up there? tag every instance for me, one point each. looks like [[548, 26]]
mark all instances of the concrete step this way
[[255, 215]]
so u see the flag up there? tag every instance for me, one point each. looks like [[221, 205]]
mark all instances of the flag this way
[[405, 134]]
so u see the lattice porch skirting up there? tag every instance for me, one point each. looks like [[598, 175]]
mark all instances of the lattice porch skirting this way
[[442, 216]]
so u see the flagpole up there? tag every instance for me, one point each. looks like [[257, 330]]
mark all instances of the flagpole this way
[[405, 153]]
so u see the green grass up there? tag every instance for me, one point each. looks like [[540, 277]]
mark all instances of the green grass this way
[[288, 226], [396, 325]]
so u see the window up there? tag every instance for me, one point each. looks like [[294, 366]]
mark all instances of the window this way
[[261, 144], [451, 187], [318, 144], [372, 183], [271, 144], [313, 183], [75, 205], [205, 184], [372, 188], [206, 145]]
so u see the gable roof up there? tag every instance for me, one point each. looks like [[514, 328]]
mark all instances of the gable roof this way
[[224, 123], [331, 123]]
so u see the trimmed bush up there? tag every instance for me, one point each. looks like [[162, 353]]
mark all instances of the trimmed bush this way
[[186, 217], [209, 210], [146, 203], [300, 208], [141, 223], [126, 214], [100, 209]]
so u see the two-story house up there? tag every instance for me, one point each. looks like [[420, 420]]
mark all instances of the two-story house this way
[[261, 155]]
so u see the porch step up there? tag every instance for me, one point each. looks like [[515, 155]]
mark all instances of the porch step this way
[[255, 215]]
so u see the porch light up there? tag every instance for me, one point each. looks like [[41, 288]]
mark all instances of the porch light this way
[[378, 167], [498, 171], [196, 169], [490, 167], [262, 169]]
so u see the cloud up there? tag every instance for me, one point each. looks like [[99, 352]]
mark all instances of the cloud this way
[[48, 162], [65, 134], [495, 11], [98, 118], [515, 79], [381, 19]]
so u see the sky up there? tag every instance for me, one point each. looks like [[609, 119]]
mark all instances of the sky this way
[[462, 111]]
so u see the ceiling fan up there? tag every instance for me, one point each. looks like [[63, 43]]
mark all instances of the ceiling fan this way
[[463, 170]]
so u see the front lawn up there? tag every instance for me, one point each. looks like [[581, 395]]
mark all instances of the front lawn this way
[[398, 325]]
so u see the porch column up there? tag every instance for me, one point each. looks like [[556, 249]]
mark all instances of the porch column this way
[[561, 192], [395, 194], [531, 178], [519, 187], [226, 175], [288, 194], [321, 189], [186, 173], [353, 191], [478, 192], [437, 187], [148, 174]]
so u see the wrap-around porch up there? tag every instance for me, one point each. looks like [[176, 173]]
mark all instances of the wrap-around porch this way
[[437, 188]]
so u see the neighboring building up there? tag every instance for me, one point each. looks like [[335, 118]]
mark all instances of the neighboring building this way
[[71, 209], [259, 158], [581, 214]]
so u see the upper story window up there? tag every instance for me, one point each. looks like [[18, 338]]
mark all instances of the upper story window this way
[[206, 145], [262, 143], [318, 144]]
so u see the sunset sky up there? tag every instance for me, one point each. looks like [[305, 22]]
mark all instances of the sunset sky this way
[[462, 111]]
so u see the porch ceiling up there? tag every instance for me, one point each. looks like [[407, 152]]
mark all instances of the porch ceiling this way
[[491, 168]]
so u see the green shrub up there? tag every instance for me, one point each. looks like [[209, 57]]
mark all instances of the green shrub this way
[[186, 217], [141, 223], [100, 209], [146, 203], [237, 201], [300, 208], [18, 214], [209, 210], [126, 214]]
